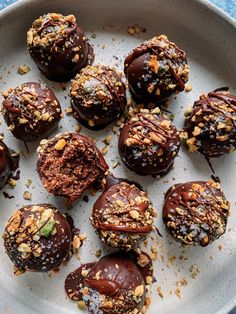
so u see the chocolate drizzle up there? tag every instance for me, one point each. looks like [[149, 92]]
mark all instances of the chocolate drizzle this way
[[31, 111], [211, 126], [121, 212], [156, 69], [148, 144], [116, 277], [58, 46], [98, 96], [37, 238], [196, 212]]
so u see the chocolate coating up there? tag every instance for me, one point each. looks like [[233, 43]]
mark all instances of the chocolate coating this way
[[37, 238], [148, 143], [156, 69], [98, 96], [211, 125], [123, 215], [31, 111], [58, 46], [5, 164], [114, 285], [69, 164], [196, 212]]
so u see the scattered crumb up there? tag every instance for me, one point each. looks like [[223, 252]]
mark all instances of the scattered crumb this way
[[183, 282], [23, 69], [12, 182], [188, 88], [104, 150], [68, 110], [107, 140], [220, 247], [136, 29], [98, 253], [178, 292], [27, 195], [159, 291], [78, 128], [115, 164], [194, 271], [28, 182], [153, 256]]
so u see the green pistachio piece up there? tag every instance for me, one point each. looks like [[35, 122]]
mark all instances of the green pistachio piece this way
[[47, 228]]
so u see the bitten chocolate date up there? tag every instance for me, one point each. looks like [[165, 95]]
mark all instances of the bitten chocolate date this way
[[69, 164]]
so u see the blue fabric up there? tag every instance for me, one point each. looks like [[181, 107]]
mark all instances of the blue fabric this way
[[227, 5]]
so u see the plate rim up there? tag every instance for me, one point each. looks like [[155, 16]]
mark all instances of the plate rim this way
[[206, 5]]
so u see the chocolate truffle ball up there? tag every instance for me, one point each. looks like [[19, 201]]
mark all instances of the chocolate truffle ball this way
[[211, 124], [5, 164], [123, 215], [37, 238], [196, 212], [58, 46], [112, 285], [149, 143], [31, 111], [69, 164], [156, 69], [98, 96]]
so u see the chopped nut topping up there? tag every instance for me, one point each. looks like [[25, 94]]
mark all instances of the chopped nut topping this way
[[60, 144], [139, 291]]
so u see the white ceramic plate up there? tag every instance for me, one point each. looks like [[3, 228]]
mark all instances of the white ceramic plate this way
[[209, 37]]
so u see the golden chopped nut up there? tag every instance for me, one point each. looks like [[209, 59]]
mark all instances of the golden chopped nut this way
[[27, 195], [23, 69], [60, 144], [134, 214], [154, 64], [76, 242], [188, 88], [139, 291]]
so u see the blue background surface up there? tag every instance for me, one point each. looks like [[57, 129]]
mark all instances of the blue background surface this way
[[228, 6]]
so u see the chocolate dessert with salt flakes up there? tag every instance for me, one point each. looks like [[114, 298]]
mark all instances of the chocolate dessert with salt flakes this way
[[196, 213], [70, 164], [31, 111], [156, 69], [211, 124], [123, 215], [112, 285], [58, 46], [98, 96], [37, 238], [149, 143]]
